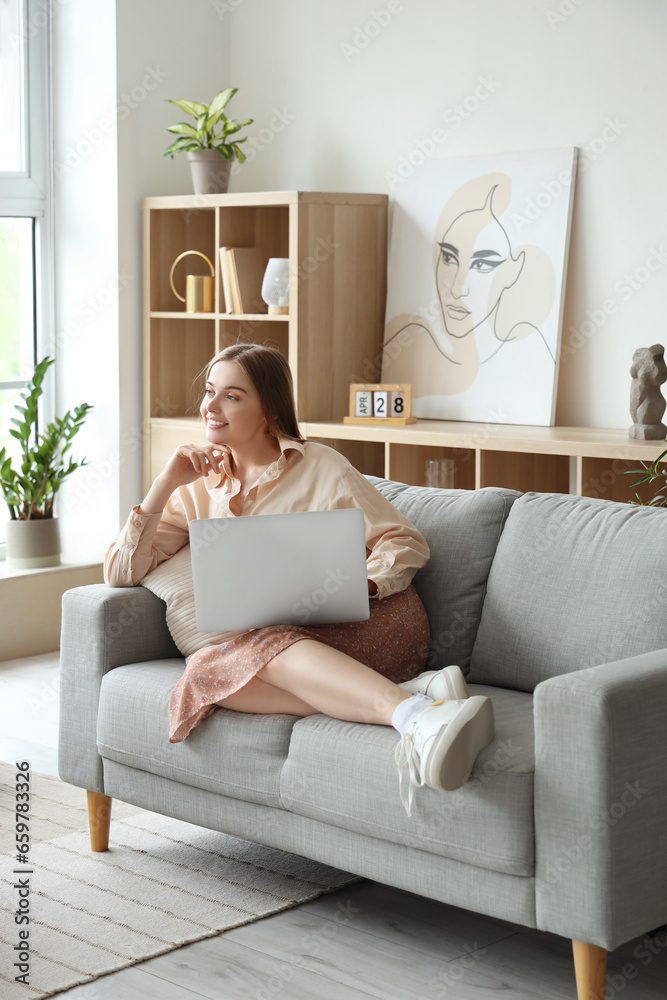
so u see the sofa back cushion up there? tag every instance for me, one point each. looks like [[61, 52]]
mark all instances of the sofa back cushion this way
[[462, 528], [575, 582]]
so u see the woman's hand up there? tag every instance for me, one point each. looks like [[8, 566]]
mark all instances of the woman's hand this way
[[189, 462]]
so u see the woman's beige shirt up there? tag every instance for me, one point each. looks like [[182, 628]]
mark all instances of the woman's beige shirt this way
[[307, 476]]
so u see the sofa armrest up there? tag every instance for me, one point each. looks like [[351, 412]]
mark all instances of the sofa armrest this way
[[601, 800], [102, 628]]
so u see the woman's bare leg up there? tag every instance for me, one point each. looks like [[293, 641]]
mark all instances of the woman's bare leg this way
[[266, 699], [333, 683]]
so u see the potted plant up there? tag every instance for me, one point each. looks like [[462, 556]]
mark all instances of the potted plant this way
[[30, 485], [207, 143]]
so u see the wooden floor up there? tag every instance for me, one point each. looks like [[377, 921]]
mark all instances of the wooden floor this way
[[360, 942]]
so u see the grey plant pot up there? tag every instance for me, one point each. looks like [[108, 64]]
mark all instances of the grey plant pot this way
[[210, 171], [33, 544]]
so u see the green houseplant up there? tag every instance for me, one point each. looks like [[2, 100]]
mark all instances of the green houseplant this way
[[30, 484], [208, 142], [651, 472]]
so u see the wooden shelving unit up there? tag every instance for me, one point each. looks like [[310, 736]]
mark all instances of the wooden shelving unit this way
[[337, 245], [581, 460], [332, 337]]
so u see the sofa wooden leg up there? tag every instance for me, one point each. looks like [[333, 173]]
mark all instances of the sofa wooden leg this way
[[590, 969], [99, 820]]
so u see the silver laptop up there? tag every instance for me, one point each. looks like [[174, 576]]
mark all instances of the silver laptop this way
[[279, 569]]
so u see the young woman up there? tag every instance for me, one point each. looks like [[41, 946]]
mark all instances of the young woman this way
[[255, 462]]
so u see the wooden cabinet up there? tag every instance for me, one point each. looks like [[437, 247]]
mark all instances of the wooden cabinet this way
[[337, 247], [581, 460]]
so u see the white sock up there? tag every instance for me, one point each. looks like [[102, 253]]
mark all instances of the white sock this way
[[407, 709]]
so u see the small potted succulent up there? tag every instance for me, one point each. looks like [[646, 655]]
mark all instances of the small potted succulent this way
[[208, 142], [30, 484]]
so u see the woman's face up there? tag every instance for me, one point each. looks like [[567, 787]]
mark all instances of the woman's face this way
[[231, 408], [472, 250]]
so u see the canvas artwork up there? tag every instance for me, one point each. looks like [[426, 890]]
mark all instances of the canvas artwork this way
[[476, 282]]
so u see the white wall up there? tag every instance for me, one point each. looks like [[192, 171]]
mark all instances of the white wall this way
[[360, 85], [115, 62], [165, 49], [344, 93]]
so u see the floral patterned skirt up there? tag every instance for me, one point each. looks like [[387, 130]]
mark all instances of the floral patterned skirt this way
[[394, 641]]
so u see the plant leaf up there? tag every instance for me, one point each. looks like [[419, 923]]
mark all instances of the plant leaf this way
[[193, 108], [181, 145], [221, 99], [182, 128]]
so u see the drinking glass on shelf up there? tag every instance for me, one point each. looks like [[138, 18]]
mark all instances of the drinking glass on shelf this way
[[440, 472]]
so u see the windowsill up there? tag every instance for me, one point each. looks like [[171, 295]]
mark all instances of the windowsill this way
[[66, 565]]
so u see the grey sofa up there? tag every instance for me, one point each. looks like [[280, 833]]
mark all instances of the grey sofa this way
[[554, 606]]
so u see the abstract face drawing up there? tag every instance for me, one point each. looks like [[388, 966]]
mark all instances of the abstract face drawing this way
[[474, 303], [474, 267]]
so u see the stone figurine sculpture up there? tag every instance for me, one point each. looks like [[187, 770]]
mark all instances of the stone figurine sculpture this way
[[647, 404]]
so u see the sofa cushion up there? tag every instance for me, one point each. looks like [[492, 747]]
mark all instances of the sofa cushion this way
[[231, 753], [343, 774], [462, 528], [171, 581], [575, 582]]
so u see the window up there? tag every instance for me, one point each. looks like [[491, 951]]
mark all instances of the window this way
[[25, 225]]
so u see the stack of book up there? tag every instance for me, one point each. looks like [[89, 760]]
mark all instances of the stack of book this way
[[242, 270]]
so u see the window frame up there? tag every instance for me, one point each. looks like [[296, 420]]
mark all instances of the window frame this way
[[29, 194]]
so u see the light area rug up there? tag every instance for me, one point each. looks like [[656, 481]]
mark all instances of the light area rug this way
[[162, 883]]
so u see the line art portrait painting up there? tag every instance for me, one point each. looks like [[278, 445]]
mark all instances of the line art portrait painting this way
[[476, 282]]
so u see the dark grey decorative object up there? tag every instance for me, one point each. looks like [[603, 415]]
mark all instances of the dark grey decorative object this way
[[647, 404]]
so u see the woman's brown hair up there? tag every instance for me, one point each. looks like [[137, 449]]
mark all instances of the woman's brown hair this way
[[270, 374]]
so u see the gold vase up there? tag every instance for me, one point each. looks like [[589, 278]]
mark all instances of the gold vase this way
[[199, 288]]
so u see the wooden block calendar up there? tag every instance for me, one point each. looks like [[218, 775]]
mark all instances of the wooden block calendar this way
[[380, 403]]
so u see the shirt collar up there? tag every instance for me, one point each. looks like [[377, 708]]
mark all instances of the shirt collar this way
[[287, 445]]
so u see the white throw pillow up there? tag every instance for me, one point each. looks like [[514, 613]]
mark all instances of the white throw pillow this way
[[171, 581]]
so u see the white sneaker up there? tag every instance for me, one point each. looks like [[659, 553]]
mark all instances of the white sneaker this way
[[441, 685], [441, 745]]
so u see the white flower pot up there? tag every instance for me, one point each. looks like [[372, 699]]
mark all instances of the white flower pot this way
[[210, 171], [33, 544]]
